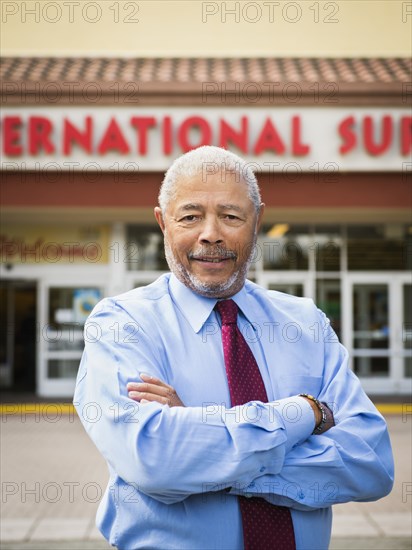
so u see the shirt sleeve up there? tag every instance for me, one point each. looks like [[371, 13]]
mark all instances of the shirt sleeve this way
[[350, 462], [171, 453]]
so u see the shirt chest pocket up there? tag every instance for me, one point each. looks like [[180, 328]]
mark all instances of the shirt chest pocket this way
[[294, 385]]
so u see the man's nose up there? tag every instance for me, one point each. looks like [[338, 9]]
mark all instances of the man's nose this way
[[210, 231]]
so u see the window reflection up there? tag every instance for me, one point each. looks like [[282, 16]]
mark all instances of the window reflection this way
[[379, 247], [407, 329], [370, 315], [68, 311], [371, 328], [63, 368], [328, 299], [144, 249], [285, 246], [371, 366], [327, 245]]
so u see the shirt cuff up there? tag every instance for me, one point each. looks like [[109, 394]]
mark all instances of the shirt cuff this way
[[298, 419]]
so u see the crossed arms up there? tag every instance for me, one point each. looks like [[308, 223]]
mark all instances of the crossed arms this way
[[170, 451], [154, 389]]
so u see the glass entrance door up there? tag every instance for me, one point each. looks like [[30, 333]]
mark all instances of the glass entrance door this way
[[407, 330], [65, 308], [18, 335], [6, 334], [377, 331], [371, 329]]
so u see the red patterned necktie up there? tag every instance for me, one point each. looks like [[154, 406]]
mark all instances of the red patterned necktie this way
[[265, 526]]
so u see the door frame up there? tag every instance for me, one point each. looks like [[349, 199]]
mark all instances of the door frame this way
[[395, 382], [75, 277]]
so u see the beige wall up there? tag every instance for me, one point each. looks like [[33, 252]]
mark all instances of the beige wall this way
[[197, 28]]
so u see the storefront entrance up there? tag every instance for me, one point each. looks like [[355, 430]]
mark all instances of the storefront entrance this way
[[18, 335], [378, 329], [359, 276], [65, 304], [42, 322]]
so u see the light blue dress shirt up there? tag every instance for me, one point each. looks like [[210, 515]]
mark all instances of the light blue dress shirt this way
[[169, 466]]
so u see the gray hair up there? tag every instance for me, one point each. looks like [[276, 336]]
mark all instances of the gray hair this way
[[208, 160]]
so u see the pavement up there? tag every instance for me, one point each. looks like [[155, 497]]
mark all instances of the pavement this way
[[52, 478]]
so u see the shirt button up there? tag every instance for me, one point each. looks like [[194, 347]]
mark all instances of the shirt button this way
[[262, 469], [248, 495], [301, 495]]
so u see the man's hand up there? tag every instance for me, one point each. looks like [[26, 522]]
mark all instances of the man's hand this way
[[153, 389]]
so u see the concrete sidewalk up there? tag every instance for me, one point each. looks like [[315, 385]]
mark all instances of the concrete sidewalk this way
[[53, 478]]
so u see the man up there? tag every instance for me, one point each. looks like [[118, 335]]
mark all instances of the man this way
[[191, 388]]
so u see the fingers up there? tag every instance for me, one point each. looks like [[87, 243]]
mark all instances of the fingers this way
[[144, 397], [142, 390], [148, 378], [151, 382], [153, 389], [143, 387]]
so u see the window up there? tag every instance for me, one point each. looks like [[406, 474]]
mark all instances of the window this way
[[144, 249], [285, 247], [379, 248], [63, 334], [327, 245]]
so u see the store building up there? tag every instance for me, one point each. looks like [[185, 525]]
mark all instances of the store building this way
[[85, 143]]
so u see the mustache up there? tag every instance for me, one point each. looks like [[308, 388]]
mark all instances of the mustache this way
[[215, 251]]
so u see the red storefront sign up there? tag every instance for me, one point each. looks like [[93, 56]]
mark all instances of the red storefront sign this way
[[61, 135]]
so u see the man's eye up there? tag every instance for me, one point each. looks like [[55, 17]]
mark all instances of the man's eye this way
[[190, 218], [231, 217]]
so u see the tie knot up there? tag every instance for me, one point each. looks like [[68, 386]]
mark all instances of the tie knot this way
[[227, 310]]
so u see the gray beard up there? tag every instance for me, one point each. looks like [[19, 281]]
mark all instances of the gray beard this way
[[209, 290]]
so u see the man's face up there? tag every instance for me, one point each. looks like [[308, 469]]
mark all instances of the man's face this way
[[210, 230]]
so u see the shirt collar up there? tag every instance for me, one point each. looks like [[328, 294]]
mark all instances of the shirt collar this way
[[196, 308]]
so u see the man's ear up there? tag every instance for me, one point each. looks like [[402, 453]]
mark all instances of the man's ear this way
[[159, 218], [260, 216]]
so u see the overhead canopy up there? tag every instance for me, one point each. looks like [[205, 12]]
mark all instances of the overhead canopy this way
[[208, 81]]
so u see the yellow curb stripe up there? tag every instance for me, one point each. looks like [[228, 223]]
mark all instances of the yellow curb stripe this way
[[54, 410], [394, 408], [47, 410]]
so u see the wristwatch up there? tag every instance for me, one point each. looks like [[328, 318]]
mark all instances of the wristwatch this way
[[323, 410]]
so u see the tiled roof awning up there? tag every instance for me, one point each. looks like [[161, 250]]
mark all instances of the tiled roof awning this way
[[324, 81]]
